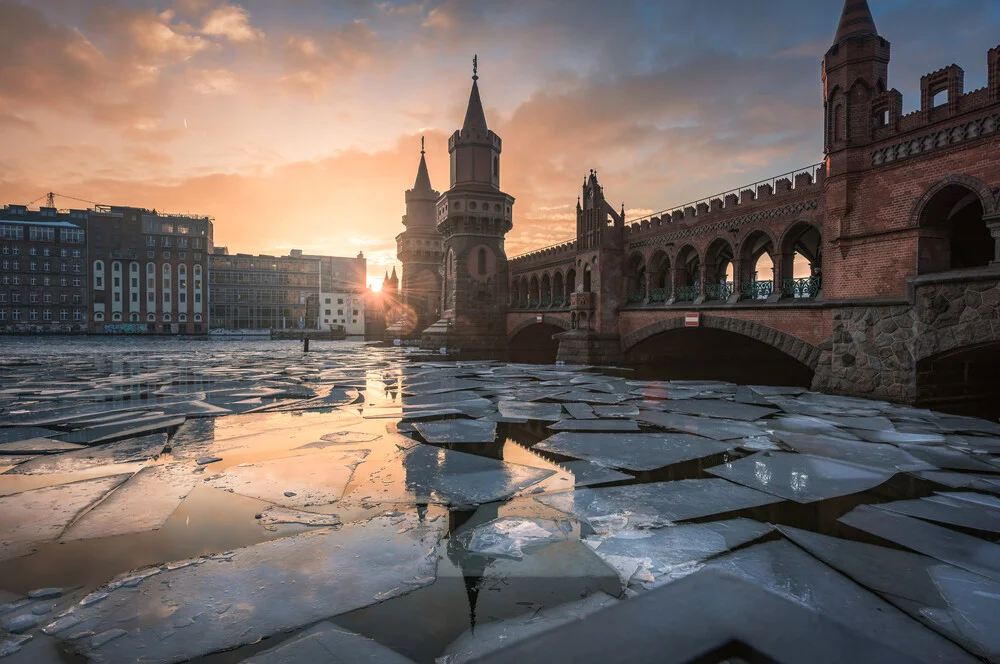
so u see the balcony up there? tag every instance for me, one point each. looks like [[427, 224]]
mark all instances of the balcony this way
[[583, 301], [658, 295], [686, 293], [806, 287], [757, 290], [718, 291]]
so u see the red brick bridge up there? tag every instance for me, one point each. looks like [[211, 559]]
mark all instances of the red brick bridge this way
[[875, 272]]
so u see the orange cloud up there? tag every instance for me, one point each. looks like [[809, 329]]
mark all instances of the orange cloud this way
[[231, 22]]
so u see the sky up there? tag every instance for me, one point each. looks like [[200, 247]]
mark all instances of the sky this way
[[297, 123]]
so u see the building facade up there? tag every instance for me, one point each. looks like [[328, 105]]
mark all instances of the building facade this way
[[420, 249], [43, 270], [263, 292], [473, 217], [148, 271], [342, 294]]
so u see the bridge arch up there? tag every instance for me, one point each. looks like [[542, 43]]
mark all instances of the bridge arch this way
[[800, 256], [635, 277], [533, 291], [749, 278], [792, 346], [546, 290], [531, 340], [570, 281], [719, 256], [950, 217], [687, 273], [558, 289], [661, 284]]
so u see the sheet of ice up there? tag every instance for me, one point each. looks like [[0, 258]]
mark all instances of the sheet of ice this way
[[13, 434], [949, 459], [37, 446], [458, 431], [143, 503], [800, 477], [950, 546], [32, 517], [759, 444], [340, 438], [587, 473], [898, 437], [870, 455], [264, 589], [427, 474], [805, 424], [128, 428], [786, 570], [583, 396], [719, 408], [530, 410], [959, 424], [327, 643], [639, 506], [632, 451], [620, 410], [666, 554], [492, 636], [277, 515], [132, 450], [510, 537], [973, 605], [580, 411], [595, 425], [949, 511], [989, 483], [299, 481], [710, 427]]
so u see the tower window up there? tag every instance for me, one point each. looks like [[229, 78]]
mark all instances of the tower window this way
[[481, 261]]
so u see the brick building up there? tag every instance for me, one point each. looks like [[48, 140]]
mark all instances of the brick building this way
[[148, 271], [43, 270], [875, 272]]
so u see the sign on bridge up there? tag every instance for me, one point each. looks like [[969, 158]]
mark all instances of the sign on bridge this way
[[692, 319]]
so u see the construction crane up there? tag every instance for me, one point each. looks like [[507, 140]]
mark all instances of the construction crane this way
[[50, 200]]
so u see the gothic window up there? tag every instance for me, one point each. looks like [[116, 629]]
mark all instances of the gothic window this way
[[481, 261]]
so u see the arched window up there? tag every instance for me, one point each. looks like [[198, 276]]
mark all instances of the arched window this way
[[586, 278], [481, 261], [838, 122]]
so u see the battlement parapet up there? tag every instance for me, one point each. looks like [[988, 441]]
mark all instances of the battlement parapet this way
[[544, 255], [756, 196]]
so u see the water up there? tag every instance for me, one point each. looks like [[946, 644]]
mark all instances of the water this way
[[331, 432]]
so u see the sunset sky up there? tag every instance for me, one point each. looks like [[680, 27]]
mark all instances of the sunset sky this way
[[297, 123]]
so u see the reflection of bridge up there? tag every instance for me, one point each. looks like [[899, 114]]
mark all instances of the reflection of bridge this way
[[876, 272]]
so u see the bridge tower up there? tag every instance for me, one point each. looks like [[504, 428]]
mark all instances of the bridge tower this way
[[855, 75], [419, 248], [473, 217], [600, 280]]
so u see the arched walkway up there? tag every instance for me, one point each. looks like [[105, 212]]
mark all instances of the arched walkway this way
[[558, 291], [660, 284], [799, 264], [953, 234], [687, 274], [635, 279], [755, 274], [719, 270], [533, 292], [546, 299]]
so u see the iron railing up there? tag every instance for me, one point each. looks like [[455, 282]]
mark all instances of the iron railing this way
[[718, 291], [637, 296], [804, 287], [658, 295], [687, 293], [757, 290]]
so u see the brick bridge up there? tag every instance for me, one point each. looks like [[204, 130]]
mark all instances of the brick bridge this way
[[875, 272]]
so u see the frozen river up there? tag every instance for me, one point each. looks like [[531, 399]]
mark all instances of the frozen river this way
[[165, 500]]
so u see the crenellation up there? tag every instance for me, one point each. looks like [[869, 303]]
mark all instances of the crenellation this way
[[677, 216], [689, 212], [731, 200], [702, 208], [747, 196], [764, 190], [715, 204], [803, 180], [782, 185]]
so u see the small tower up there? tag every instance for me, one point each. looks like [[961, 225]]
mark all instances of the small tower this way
[[473, 217], [419, 248]]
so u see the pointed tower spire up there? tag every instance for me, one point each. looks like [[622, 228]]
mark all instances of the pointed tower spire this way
[[475, 118], [423, 181], [855, 21]]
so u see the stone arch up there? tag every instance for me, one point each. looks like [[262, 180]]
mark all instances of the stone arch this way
[[547, 319], [661, 281], [570, 281], [523, 292], [719, 262], [755, 244], [545, 290], [687, 273], [803, 237], [790, 345], [558, 289], [588, 277], [951, 218], [534, 291], [635, 277]]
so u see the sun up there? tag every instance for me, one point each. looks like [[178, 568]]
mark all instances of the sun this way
[[375, 285]]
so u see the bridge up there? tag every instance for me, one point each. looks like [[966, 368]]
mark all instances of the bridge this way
[[875, 272]]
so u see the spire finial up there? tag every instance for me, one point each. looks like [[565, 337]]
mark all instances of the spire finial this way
[[475, 67], [421, 145]]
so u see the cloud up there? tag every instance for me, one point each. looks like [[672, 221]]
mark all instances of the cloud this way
[[231, 22], [216, 82], [313, 61]]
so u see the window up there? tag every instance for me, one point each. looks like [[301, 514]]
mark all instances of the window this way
[[46, 266], [166, 298], [63, 253], [15, 298], [118, 296], [165, 242], [71, 235], [76, 253], [77, 298], [196, 243], [197, 297], [182, 255], [340, 312], [166, 254], [182, 297], [340, 300], [15, 315], [63, 298], [182, 242], [63, 314], [46, 315], [77, 283], [150, 241], [47, 298], [117, 282], [17, 280], [46, 281], [135, 282], [355, 312], [46, 252], [76, 267], [32, 315], [99, 282], [11, 232], [6, 250], [328, 302], [481, 259], [42, 234], [327, 312], [3, 298], [33, 266], [150, 254], [33, 251], [16, 251], [151, 282], [3, 314], [135, 297], [6, 265], [33, 298], [77, 315]]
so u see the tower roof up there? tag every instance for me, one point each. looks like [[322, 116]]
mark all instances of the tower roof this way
[[855, 21], [475, 118], [423, 181]]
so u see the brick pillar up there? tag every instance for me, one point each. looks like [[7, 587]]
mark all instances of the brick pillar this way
[[993, 223], [742, 273], [649, 285]]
